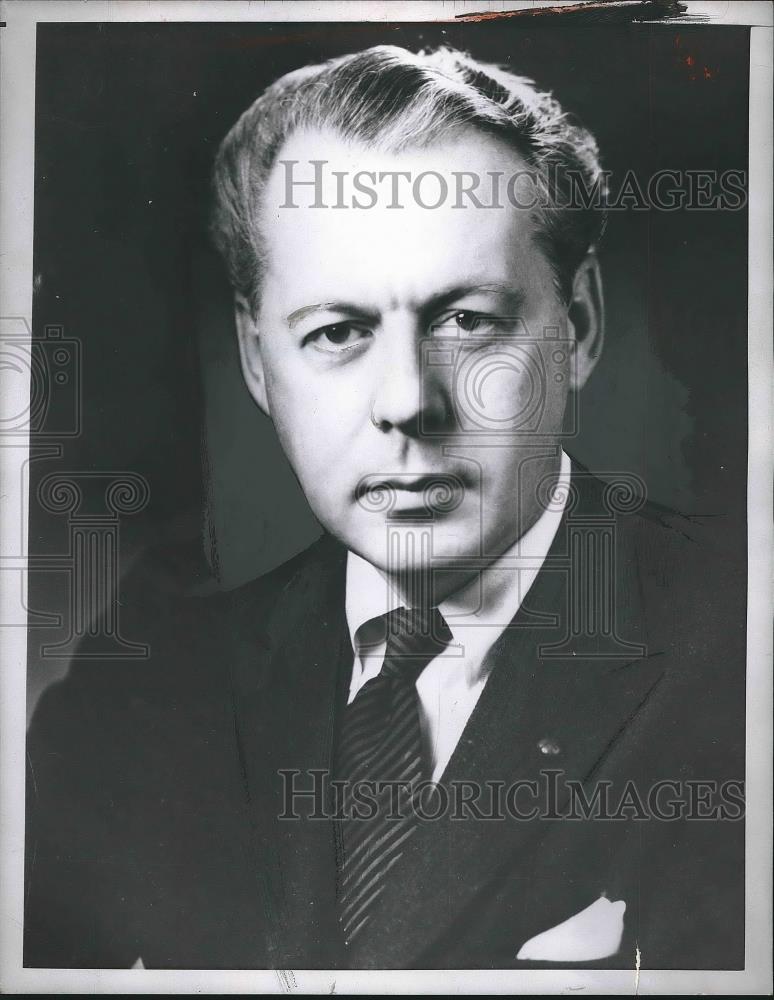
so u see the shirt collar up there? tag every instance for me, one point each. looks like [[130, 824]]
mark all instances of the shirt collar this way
[[491, 599]]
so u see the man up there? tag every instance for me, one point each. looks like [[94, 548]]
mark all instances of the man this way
[[494, 717]]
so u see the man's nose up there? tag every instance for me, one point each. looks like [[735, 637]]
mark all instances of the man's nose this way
[[409, 394]]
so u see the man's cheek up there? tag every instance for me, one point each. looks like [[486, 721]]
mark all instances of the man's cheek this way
[[311, 440]]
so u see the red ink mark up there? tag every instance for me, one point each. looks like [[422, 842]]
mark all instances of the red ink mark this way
[[692, 64]]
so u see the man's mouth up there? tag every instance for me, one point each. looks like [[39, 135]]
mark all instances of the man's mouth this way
[[409, 493]]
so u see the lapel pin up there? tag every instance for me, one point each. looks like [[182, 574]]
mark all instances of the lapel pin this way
[[549, 747]]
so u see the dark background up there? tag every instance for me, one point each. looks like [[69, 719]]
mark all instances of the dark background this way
[[128, 119]]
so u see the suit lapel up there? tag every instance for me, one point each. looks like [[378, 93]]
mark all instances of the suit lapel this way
[[286, 679], [537, 713]]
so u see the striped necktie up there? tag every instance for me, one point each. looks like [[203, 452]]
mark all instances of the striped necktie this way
[[381, 741]]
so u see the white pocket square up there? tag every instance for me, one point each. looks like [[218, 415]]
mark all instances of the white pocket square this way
[[592, 934]]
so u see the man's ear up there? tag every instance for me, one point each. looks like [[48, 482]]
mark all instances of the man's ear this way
[[586, 316], [250, 352]]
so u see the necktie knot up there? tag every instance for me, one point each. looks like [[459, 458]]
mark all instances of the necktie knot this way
[[415, 636]]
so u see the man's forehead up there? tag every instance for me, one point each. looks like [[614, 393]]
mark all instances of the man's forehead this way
[[316, 227]]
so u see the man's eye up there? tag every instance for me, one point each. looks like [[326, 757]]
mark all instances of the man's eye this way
[[467, 322], [338, 337]]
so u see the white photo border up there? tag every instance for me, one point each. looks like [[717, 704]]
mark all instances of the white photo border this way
[[17, 117]]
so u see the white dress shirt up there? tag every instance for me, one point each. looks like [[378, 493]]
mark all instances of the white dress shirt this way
[[450, 685]]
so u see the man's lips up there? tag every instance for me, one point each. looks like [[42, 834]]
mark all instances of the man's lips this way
[[415, 484], [437, 491]]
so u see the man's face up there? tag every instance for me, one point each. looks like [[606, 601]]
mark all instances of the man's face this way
[[401, 349]]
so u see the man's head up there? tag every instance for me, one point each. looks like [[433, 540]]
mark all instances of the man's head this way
[[435, 343]]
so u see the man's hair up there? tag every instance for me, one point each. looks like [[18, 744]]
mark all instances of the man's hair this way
[[393, 99]]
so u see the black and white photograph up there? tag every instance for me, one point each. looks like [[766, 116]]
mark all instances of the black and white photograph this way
[[387, 470]]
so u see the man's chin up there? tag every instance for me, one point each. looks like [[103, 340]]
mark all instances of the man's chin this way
[[400, 547]]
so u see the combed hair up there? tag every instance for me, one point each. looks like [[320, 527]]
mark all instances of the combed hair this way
[[389, 98]]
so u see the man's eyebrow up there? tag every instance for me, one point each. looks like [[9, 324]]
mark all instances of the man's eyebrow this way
[[438, 302], [338, 307]]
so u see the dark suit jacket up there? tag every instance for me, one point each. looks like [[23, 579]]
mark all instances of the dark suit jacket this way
[[154, 797]]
